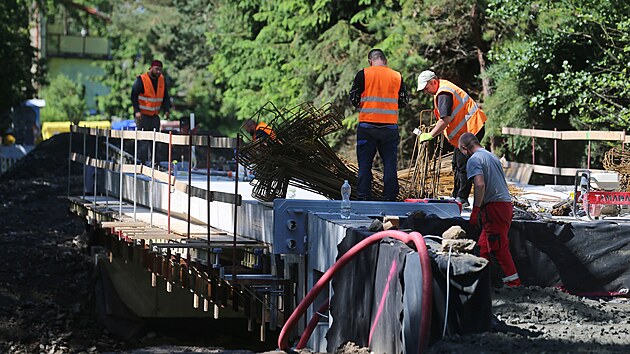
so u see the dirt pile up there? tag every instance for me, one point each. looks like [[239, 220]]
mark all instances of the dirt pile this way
[[46, 303]]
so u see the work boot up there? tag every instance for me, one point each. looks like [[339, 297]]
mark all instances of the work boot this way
[[512, 283]]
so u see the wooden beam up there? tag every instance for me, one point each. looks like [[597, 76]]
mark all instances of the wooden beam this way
[[567, 135]]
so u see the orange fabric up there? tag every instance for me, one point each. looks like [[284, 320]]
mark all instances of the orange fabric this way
[[266, 129], [467, 116], [379, 100], [151, 101]]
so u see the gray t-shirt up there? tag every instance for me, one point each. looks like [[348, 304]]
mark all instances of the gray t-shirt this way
[[485, 163]]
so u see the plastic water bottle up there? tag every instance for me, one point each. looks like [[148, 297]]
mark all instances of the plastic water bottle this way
[[345, 200]]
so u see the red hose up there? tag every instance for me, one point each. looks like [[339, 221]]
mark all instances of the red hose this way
[[312, 324], [416, 238]]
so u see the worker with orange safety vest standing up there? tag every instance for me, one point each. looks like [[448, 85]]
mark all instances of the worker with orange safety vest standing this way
[[149, 95], [457, 114], [378, 92]]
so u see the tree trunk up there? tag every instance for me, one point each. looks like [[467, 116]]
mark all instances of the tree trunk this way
[[479, 43]]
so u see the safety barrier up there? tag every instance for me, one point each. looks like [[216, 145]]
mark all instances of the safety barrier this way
[[9, 155], [526, 169], [6, 163]]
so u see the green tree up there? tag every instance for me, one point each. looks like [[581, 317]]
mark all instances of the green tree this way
[[560, 64], [17, 57], [175, 32], [64, 101]]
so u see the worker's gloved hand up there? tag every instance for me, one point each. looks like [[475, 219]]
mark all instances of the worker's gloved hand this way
[[425, 137], [475, 217]]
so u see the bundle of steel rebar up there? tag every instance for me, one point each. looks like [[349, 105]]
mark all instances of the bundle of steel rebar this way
[[430, 173], [298, 154], [618, 160]]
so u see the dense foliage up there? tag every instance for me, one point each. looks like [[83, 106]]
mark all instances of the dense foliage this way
[[537, 63], [64, 101], [559, 64], [17, 57]]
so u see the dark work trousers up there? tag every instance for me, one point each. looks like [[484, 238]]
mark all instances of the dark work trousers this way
[[384, 139], [145, 147], [461, 183], [496, 218]]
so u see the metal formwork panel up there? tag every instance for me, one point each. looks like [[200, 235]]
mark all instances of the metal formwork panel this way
[[290, 222]]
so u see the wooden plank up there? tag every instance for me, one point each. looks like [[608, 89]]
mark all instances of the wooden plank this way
[[536, 133], [516, 172], [162, 236], [567, 135], [122, 223], [546, 170], [592, 135], [134, 231]]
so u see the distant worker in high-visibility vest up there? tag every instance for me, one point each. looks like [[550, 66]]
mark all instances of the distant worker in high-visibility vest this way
[[457, 113], [149, 95], [259, 130], [378, 92]]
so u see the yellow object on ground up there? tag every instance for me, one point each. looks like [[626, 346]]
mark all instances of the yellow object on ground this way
[[49, 129]]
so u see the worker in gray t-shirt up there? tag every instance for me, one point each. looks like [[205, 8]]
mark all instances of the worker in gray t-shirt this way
[[492, 204], [485, 163]]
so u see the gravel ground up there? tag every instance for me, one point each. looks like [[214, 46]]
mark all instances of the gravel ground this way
[[47, 304], [536, 320]]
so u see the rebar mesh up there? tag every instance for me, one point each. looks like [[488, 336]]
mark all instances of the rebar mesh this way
[[618, 160], [299, 155]]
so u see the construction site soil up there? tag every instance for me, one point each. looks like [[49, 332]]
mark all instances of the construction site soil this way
[[47, 301]]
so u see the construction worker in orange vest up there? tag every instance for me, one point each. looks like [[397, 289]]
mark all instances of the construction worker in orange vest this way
[[378, 92], [457, 114], [259, 131], [149, 95]]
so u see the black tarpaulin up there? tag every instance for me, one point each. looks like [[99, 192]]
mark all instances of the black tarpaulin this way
[[377, 297], [470, 302], [588, 258], [353, 287], [385, 334]]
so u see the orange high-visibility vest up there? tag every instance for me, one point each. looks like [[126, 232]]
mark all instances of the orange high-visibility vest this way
[[151, 101], [466, 114], [262, 126], [379, 100]]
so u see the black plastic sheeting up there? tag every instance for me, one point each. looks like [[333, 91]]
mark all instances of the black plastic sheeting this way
[[586, 258], [377, 296], [470, 300]]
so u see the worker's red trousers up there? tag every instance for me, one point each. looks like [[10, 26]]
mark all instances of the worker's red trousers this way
[[496, 218]]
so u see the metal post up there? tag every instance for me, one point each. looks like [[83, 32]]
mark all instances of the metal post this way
[[120, 190], [107, 171], [192, 125], [152, 181], [623, 140], [69, 158], [135, 172], [238, 139], [189, 178], [555, 158], [588, 158], [84, 164], [95, 167], [170, 179], [208, 201], [533, 148]]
